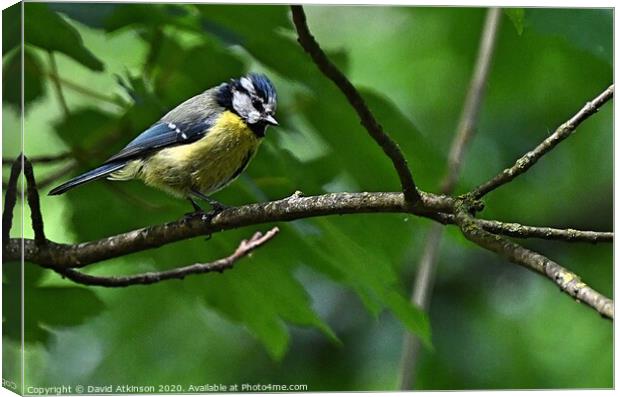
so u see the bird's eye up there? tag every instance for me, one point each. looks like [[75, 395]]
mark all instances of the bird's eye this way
[[258, 104]]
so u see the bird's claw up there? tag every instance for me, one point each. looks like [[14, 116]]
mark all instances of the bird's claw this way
[[215, 210], [217, 207]]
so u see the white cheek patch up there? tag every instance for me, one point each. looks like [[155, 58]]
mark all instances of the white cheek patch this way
[[253, 117], [242, 104]]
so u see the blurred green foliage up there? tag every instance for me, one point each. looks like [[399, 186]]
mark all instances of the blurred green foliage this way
[[324, 303]]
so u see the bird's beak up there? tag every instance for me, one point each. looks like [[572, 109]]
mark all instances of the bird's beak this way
[[269, 119]]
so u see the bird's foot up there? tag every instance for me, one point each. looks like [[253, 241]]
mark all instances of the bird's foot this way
[[197, 212], [216, 206], [205, 216], [189, 216]]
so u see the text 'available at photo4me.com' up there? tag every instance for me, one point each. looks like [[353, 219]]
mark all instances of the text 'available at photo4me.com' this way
[[168, 388]]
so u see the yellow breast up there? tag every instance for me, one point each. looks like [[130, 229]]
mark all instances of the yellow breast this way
[[208, 164]]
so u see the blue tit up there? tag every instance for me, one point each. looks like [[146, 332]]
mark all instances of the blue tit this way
[[200, 146]]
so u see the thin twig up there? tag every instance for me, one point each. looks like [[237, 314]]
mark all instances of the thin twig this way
[[568, 281], [425, 278], [32, 195], [420, 297], [10, 199], [244, 248], [390, 148], [530, 158], [57, 85], [547, 233], [83, 90], [473, 101]]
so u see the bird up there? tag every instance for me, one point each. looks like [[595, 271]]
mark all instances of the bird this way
[[200, 146]]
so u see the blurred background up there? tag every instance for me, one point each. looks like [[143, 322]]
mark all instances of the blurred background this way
[[323, 304]]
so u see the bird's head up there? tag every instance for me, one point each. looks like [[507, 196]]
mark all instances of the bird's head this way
[[253, 98]]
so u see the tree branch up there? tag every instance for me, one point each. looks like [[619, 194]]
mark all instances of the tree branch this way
[[568, 281], [10, 199], [291, 208], [288, 209], [425, 278], [390, 148], [33, 202], [244, 249], [530, 158]]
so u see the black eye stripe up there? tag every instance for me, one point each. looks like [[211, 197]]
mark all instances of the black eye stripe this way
[[257, 103]]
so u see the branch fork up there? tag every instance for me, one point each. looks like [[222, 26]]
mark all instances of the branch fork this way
[[66, 258]]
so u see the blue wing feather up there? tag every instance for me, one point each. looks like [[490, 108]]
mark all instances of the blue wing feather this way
[[162, 134]]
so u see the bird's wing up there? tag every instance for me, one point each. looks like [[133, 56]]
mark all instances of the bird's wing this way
[[186, 123], [163, 134]]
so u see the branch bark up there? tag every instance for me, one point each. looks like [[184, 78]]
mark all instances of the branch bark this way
[[530, 158], [390, 148], [291, 208]]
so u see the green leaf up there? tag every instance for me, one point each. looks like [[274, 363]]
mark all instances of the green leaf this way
[[181, 73], [424, 159], [149, 15], [261, 293], [371, 275], [44, 307], [414, 318], [12, 78], [49, 31], [585, 29], [85, 127], [11, 27], [62, 306], [244, 21], [517, 17], [92, 15]]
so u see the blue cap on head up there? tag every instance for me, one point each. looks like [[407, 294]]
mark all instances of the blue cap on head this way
[[263, 86]]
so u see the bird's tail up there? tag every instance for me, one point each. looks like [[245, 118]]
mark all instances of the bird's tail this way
[[92, 175]]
